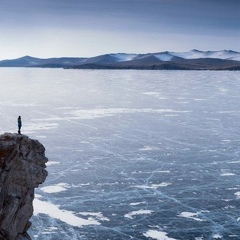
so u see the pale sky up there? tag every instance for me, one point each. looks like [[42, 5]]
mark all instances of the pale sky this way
[[87, 28]]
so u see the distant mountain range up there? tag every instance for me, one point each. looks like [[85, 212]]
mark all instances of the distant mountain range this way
[[191, 60]]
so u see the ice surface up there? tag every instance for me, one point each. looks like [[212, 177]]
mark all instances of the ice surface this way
[[155, 186], [162, 146]]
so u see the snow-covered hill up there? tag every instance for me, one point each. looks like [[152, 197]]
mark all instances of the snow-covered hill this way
[[168, 56], [196, 54], [191, 60]]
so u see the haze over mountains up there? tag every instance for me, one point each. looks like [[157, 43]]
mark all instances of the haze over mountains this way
[[191, 60]]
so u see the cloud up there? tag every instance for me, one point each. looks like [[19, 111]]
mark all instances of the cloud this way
[[93, 27]]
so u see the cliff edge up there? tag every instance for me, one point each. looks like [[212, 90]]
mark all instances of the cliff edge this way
[[22, 168]]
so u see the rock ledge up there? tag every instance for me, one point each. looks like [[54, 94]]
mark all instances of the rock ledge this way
[[22, 168]]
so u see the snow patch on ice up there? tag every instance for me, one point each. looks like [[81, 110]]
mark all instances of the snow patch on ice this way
[[137, 203], [152, 93], [191, 216], [237, 161], [227, 174], [97, 113], [237, 194], [156, 234], [97, 215], [148, 148], [217, 236], [60, 187], [52, 163], [50, 230], [154, 186], [37, 196], [53, 211], [139, 212], [163, 171]]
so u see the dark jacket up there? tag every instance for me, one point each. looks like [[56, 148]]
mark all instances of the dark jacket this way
[[19, 122]]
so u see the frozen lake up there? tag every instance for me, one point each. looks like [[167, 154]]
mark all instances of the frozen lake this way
[[132, 154]]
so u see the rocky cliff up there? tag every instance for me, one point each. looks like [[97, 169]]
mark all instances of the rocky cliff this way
[[22, 168]]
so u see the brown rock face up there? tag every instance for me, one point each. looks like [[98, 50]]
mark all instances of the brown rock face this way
[[22, 168]]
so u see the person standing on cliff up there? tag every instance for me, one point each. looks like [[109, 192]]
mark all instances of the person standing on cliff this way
[[19, 124]]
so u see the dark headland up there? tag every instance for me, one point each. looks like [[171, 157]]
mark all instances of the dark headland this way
[[22, 169]]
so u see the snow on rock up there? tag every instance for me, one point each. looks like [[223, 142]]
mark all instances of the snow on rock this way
[[122, 57], [168, 56], [22, 168], [165, 56]]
